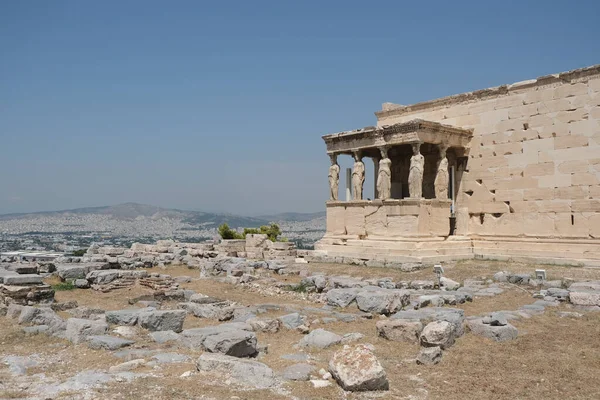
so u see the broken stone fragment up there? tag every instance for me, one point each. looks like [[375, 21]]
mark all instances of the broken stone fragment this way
[[438, 333], [356, 369]]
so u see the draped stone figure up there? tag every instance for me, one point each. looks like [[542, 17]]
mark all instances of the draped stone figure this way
[[415, 174], [384, 177], [441, 178], [334, 178], [358, 177]]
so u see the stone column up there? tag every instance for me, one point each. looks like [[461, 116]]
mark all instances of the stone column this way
[[384, 176], [358, 176], [334, 178], [415, 174], [441, 177], [348, 184], [375, 174]]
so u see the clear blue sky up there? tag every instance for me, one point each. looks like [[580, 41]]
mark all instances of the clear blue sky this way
[[220, 106]]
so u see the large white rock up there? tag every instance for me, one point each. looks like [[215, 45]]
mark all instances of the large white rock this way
[[585, 297], [500, 333], [320, 338], [438, 333], [382, 301], [400, 330], [237, 371], [162, 320], [79, 329], [357, 369]]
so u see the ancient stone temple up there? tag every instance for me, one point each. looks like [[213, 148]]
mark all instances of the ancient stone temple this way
[[506, 172]]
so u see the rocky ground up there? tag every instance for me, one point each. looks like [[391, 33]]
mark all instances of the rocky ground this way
[[232, 328]]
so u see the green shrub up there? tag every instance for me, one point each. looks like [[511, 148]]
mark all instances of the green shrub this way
[[227, 233], [79, 253], [63, 286], [272, 231]]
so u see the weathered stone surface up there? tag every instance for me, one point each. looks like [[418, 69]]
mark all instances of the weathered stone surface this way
[[382, 301], [164, 336], [497, 333], [583, 297], [162, 320], [429, 355], [78, 271], [291, 321], [495, 319], [341, 297], [124, 317], [18, 365], [234, 339], [455, 316], [448, 283], [264, 324], [237, 371], [81, 283], [320, 338], [357, 369], [107, 342], [298, 372], [438, 333], [236, 343], [78, 329], [400, 330], [352, 337], [20, 280], [127, 366], [170, 358]]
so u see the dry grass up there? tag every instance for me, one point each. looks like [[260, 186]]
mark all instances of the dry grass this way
[[457, 270], [553, 358]]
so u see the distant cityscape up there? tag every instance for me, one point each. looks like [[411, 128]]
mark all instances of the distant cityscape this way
[[67, 231]]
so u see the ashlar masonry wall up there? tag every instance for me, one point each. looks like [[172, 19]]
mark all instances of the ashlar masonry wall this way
[[531, 185]]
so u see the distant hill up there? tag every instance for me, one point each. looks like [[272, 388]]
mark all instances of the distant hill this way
[[131, 211], [292, 216]]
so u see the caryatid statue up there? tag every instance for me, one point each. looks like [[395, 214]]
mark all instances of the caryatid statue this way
[[334, 178], [384, 176], [441, 177], [358, 176], [415, 174]]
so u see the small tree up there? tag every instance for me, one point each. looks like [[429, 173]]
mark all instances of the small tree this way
[[227, 233], [272, 231]]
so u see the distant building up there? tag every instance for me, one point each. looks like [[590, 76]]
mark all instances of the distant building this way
[[31, 256], [506, 172]]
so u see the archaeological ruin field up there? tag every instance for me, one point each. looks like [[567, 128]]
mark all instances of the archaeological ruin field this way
[[196, 321]]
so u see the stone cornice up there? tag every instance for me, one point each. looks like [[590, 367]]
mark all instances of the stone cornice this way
[[577, 75], [415, 131]]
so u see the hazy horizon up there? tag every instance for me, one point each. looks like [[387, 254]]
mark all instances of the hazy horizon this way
[[154, 205], [220, 107]]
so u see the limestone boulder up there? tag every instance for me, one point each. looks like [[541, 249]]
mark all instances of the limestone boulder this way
[[448, 283], [501, 333], [400, 330], [585, 297], [77, 329], [321, 339], [429, 356], [128, 317], [267, 325], [237, 371], [162, 320], [438, 333], [341, 297], [382, 301], [234, 339], [298, 372], [291, 321], [107, 342], [356, 369]]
